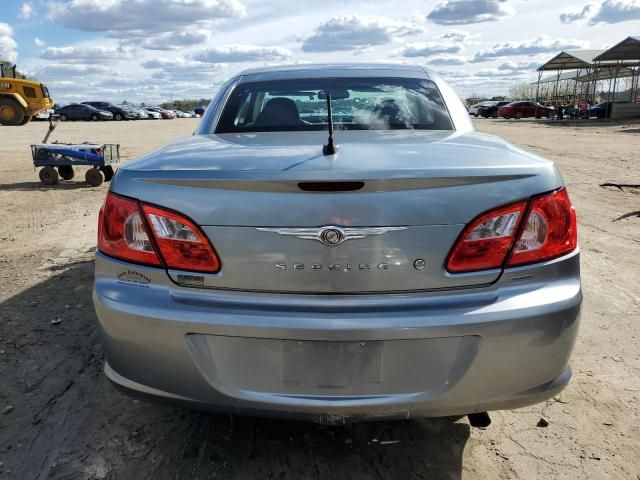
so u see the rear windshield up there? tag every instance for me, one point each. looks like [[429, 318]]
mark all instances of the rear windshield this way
[[357, 104]]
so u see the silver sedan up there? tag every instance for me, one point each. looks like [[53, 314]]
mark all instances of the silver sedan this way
[[337, 243]]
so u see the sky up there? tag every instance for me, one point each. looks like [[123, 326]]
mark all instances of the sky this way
[[158, 50]]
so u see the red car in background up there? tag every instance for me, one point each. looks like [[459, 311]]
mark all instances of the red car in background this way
[[166, 114], [524, 110]]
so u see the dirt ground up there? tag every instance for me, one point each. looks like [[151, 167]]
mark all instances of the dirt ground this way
[[60, 418]]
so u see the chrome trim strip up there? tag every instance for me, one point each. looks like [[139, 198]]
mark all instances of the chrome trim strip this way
[[340, 234]]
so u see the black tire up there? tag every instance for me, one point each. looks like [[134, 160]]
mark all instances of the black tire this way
[[63, 117], [26, 119], [94, 117], [66, 172], [118, 117], [48, 175], [11, 112], [108, 172], [94, 177]]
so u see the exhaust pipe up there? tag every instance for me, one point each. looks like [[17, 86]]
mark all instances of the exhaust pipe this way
[[479, 419]]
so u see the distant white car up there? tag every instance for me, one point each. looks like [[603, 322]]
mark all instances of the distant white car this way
[[44, 114], [152, 114], [473, 109]]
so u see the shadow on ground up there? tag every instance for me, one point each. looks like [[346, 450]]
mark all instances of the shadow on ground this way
[[29, 186], [67, 422]]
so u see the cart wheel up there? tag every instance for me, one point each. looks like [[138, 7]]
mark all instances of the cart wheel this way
[[66, 172], [108, 172], [48, 175], [94, 177]]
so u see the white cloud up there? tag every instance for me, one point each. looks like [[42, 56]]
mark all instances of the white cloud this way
[[39, 43], [175, 40], [577, 15], [241, 53], [26, 11], [614, 11], [64, 71], [456, 36], [141, 15], [462, 12], [428, 49], [88, 54], [542, 44], [8, 46], [183, 69], [448, 74], [518, 66], [447, 60], [355, 33], [609, 11], [494, 73]]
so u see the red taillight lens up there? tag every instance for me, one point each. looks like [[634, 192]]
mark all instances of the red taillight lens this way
[[551, 230], [154, 236], [122, 232], [486, 242], [182, 245]]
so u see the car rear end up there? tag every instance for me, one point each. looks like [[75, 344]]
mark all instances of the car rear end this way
[[378, 285]]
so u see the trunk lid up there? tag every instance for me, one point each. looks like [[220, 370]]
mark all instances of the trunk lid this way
[[406, 195]]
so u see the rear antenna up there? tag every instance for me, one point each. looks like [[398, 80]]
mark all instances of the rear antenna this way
[[330, 148]]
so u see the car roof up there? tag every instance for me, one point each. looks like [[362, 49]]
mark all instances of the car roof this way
[[346, 70]]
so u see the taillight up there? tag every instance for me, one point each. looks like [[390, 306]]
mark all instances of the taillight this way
[[486, 242], [122, 232], [549, 231], [152, 235], [182, 245]]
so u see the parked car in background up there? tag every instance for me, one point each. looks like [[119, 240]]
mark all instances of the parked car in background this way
[[135, 112], [44, 114], [487, 111], [525, 109], [603, 110], [288, 276], [119, 113], [165, 114], [473, 109], [152, 114], [181, 114], [144, 115], [199, 111], [80, 111]]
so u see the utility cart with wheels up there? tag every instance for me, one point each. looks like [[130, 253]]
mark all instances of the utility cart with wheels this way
[[58, 160]]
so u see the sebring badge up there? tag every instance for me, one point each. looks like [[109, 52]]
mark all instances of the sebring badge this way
[[332, 235]]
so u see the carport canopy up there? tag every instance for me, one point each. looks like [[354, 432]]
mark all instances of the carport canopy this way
[[627, 51], [573, 75], [571, 60], [607, 73]]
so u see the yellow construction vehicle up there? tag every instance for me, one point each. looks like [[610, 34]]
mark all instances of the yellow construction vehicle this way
[[20, 98]]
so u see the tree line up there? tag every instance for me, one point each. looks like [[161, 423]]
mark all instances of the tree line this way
[[185, 105]]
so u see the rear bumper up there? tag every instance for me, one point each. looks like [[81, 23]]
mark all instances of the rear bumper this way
[[338, 358]]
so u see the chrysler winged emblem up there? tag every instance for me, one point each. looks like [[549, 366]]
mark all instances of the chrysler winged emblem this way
[[332, 235]]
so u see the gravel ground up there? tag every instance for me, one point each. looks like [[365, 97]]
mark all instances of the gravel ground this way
[[60, 418]]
